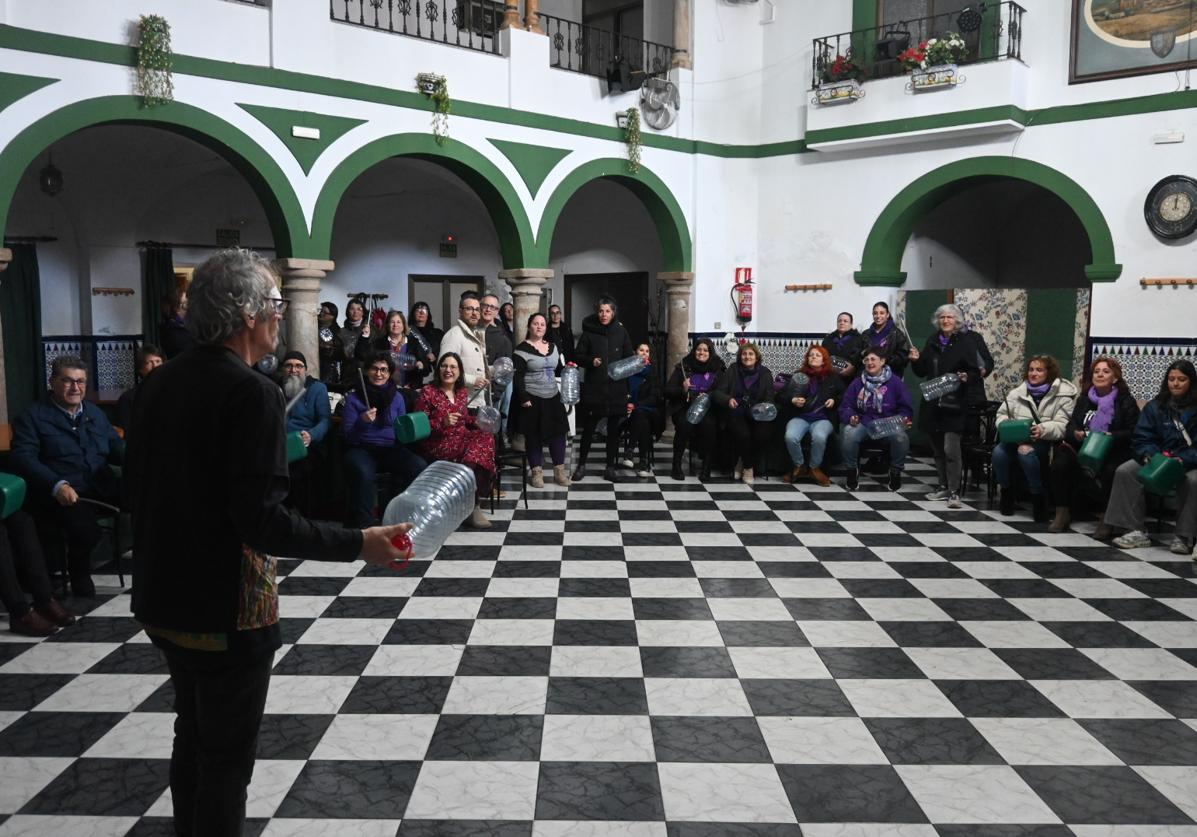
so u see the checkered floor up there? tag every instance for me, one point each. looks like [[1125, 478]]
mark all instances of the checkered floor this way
[[664, 658]]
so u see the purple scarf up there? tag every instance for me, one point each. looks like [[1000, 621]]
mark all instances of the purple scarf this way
[[842, 341], [1037, 392], [879, 338], [944, 340], [702, 381], [1104, 417]]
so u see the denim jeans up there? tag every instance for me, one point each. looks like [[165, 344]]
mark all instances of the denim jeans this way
[[1004, 454], [852, 437], [819, 429]]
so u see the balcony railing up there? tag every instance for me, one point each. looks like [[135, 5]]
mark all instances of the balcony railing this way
[[991, 31], [471, 24], [597, 52]]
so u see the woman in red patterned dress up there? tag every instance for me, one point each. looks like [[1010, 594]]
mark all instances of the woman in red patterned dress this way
[[456, 436]]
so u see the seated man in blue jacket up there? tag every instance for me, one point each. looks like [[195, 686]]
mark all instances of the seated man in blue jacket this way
[[62, 446], [311, 417]]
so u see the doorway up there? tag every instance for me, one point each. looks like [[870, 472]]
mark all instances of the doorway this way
[[630, 291], [442, 294]]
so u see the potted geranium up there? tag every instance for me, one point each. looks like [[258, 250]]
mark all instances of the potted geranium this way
[[935, 62], [839, 82]]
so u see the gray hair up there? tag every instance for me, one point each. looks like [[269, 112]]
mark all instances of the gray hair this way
[[63, 362], [949, 308], [228, 284]]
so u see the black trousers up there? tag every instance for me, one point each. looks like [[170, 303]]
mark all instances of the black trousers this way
[[22, 565], [750, 438], [702, 436], [77, 525], [1078, 490], [590, 416], [219, 700], [639, 427]]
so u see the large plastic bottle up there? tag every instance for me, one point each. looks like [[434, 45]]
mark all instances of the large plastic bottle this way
[[502, 371], [883, 428], [626, 367], [436, 503], [489, 419], [571, 385], [935, 388], [764, 411], [698, 408]]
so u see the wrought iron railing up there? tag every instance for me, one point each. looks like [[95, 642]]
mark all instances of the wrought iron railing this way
[[991, 32], [471, 24], [597, 52], [263, 3], [111, 360]]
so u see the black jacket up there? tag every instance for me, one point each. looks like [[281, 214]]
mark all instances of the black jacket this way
[[830, 386], [651, 398], [1126, 416], [497, 343], [561, 337], [174, 337], [48, 448], [966, 352], [896, 348], [854, 344], [207, 472], [609, 343], [680, 397], [729, 383]]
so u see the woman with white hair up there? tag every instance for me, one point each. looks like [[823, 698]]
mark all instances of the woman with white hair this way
[[952, 349]]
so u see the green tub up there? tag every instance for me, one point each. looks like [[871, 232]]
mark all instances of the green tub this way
[[1015, 431], [12, 494], [1094, 451], [1162, 474], [412, 427], [296, 449]]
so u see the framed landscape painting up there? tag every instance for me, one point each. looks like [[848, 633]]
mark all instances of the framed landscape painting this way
[[1116, 38]]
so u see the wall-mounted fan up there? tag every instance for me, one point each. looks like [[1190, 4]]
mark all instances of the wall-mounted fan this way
[[659, 103]]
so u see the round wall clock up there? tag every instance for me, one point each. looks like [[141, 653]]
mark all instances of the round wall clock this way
[[1171, 207]]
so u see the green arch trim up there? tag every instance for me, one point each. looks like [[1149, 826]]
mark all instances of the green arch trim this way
[[662, 206], [480, 174], [278, 198], [881, 263]]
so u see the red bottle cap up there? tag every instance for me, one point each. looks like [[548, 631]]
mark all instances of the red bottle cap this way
[[402, 542]]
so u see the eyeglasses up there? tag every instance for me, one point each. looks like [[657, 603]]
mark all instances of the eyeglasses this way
[[73, 383], [294, 364], [489, 307], [469, 309], [380, 370], [279, 305]]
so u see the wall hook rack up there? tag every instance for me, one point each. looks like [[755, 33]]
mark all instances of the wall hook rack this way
[[822, 286], [112, 292], [1167, 282]]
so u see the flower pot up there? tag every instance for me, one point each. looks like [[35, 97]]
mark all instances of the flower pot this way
[[939, 77], [838, 92]]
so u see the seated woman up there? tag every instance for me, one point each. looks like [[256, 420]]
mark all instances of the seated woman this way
[[456, 436], [812, 410], [1105, 405], [877, 393], [23, 571], [885, 335], [370, 446], [540, 414], [1168, 425], [149, 358], [742, 385], [646, 410], [1046, 400], [393, 341], [845, 345], [694, 376]]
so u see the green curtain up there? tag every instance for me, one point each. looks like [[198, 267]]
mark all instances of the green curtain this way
[[21, 314], [157, 281]]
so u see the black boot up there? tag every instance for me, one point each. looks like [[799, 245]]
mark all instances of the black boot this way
[[853, 479], [676, 472], [895, 479], [1006, 501], [1039, 508], [706, 469], [579, 473]]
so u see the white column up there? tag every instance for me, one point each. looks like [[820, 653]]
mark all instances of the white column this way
[[527, 284], [678, 286], [301, 286], [681, 34]]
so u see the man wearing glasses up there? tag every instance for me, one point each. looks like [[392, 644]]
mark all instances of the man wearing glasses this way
[[207, 471], [469, 344], [62, 446]]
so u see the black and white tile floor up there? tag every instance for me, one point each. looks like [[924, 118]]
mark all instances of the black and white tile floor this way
[[663, 658]]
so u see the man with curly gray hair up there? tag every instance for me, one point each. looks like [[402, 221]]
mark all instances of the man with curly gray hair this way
[[207, 468]]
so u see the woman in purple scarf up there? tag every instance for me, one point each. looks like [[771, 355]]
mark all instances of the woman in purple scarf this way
[[1105, 405], [742, 385], [885, 335], [845, 345], [694, 376]]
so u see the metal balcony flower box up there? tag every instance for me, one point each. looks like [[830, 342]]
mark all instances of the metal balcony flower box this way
[[939, 77], [838, 92]]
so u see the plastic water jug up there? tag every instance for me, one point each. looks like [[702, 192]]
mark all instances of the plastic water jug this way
[[884, 428], [799, 384], [626, 367], [840, 364], [436, 503], [489, 419], [12, 494], [296, 449], [699, 408], [502, 371], [412, 427], [1162, 474], [268, 364], [571, 385], [1015, 431], [765, 411], [403, 361], [934, 389], [1094, 451]]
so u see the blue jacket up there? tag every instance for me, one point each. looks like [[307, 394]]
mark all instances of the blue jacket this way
[[1155, 433], [311, 413], [358, 431], [47, 449], [895, 401]]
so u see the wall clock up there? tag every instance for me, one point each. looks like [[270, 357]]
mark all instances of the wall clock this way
[[1171, 207]]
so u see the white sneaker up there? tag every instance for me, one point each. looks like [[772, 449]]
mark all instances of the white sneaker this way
[[625, 463], [1134, 539], [746, 476], [954, 501], [738, 471], [1180, 546], [940, 493], [643, 471]]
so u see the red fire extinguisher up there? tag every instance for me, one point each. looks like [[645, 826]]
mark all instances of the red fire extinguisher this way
[[742, 294]]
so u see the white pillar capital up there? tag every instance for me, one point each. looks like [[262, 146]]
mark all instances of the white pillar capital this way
[[527, 289]]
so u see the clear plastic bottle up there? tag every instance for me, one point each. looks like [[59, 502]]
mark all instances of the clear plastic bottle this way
[[502, 371], [626, 367], [571, 385], [935, 388], [489, 419], [764, 411], [403, 361], [698, 408], [436, 503], [799, 385], [883, 428]]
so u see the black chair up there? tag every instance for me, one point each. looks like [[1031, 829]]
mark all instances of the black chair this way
[[511, 459], [976, 448]]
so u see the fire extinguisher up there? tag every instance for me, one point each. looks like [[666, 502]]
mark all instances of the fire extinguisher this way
[[741, 294]]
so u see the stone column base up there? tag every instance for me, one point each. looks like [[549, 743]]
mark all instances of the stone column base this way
[[678, 286], [301, 286], [527, 284]]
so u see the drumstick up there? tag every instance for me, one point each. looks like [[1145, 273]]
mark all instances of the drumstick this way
[[365, 392], [291, 404], [105, 506]]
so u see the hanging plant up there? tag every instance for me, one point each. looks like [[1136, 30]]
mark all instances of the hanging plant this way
[[154, 82], [436, 88], [631, 136]]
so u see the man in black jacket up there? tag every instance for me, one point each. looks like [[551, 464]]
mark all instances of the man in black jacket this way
[[604, 341], [208, 473]]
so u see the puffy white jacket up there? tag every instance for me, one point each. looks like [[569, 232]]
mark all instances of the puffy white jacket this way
[[1053, 410], [471, 348]]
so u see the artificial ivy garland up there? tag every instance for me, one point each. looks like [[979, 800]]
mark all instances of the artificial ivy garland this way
[[436, 87], [631, 136], [154, 81]]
